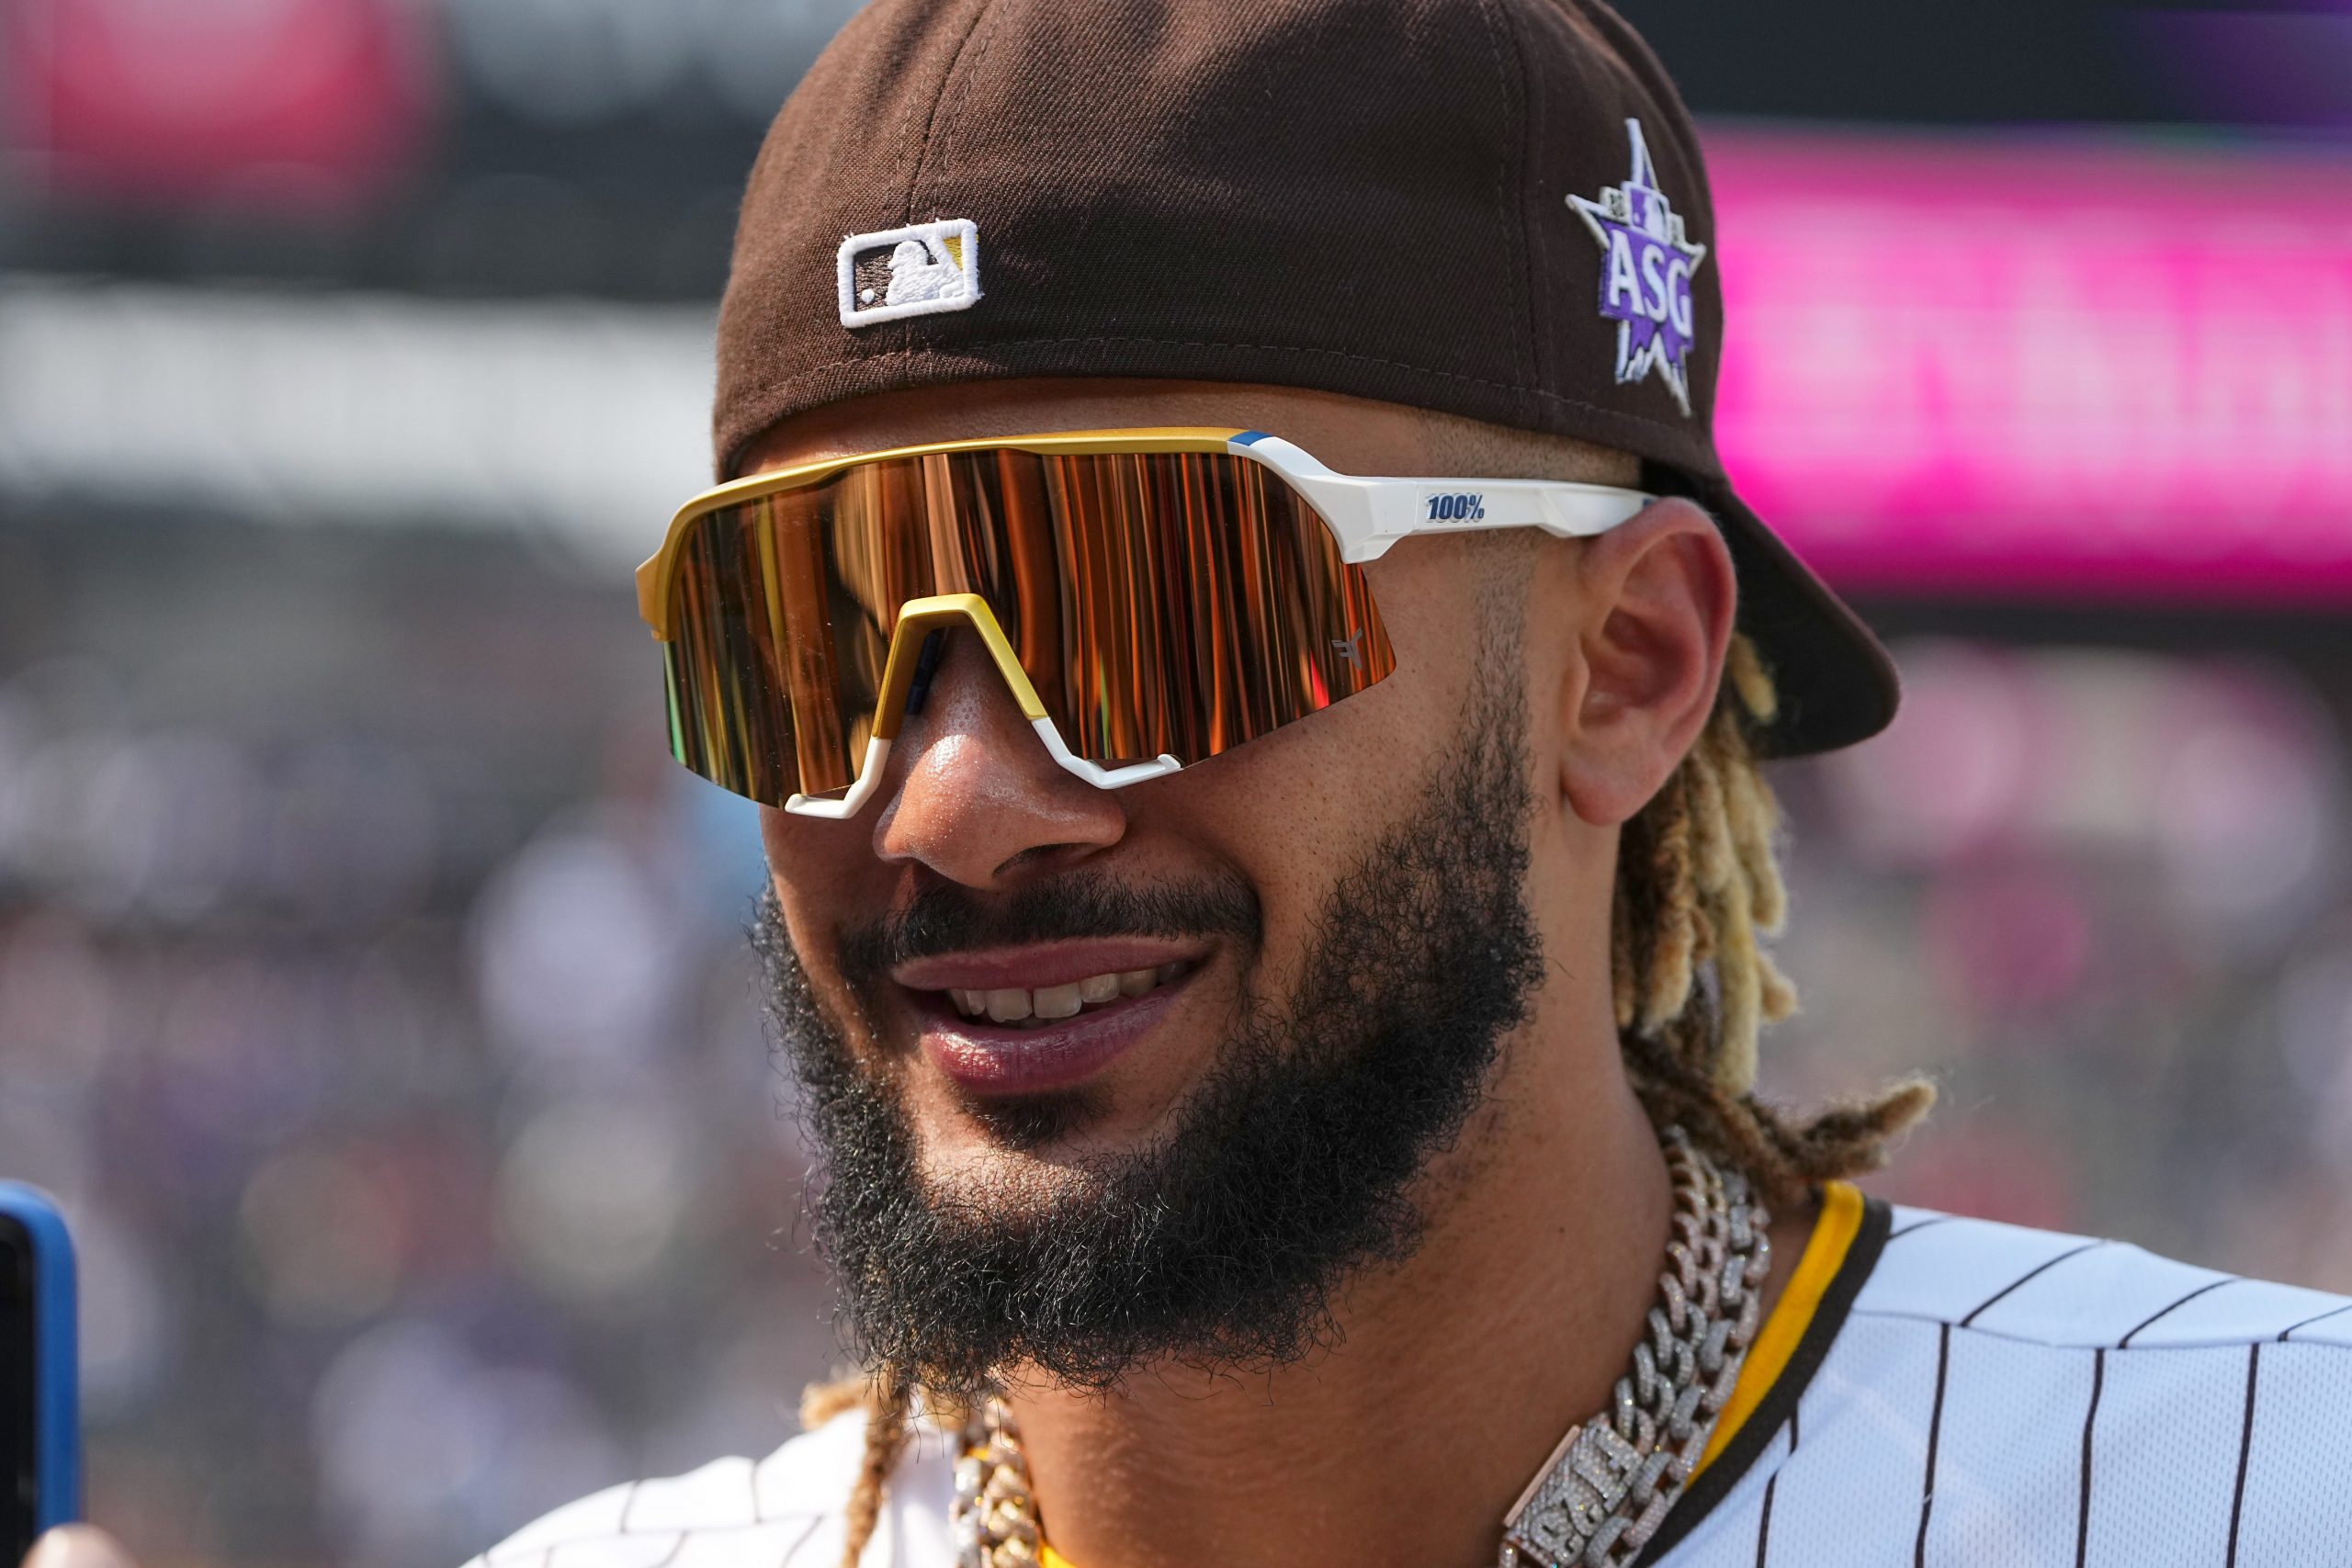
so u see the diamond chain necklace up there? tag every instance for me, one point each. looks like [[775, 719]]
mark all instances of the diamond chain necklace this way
[[1605, 1488]]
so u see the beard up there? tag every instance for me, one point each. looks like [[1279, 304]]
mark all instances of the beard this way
[[1290, 1168]]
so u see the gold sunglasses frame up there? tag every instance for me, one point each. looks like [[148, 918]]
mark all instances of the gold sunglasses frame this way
[[655, 576]]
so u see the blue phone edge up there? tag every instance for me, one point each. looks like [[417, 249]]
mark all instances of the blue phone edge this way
[[57, 1381]]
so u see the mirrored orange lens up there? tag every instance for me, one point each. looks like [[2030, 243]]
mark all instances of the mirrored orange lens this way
[[1161, 603]]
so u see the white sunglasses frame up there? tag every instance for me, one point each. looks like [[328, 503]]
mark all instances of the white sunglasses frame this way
[[1365, 515]]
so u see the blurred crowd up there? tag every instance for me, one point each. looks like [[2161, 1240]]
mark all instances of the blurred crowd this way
[[373, 988], [372, 992]]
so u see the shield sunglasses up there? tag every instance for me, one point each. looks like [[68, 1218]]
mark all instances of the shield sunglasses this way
[[1151, 597]]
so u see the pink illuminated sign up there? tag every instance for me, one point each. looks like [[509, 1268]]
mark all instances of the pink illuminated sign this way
[[2011, 366], [299, 107]]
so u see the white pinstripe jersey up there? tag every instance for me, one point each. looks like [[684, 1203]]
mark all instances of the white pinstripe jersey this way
[[1988, 1396]]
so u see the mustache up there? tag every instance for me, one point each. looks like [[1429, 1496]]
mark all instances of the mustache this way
[[949, 918]]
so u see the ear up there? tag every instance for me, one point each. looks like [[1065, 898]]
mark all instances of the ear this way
[[1659, 597]]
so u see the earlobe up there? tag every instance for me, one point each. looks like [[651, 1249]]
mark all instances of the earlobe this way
[[1660, 597]]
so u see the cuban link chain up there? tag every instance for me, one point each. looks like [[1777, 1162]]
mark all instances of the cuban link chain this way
[[1607, 1487], [994, 1517]]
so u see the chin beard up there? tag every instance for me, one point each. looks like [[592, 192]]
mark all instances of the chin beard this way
[[1291, 1167]]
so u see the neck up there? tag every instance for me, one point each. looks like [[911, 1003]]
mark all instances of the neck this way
[[1452, 1377]]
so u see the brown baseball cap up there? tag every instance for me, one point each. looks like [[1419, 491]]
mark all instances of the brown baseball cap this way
[[1494, 209]]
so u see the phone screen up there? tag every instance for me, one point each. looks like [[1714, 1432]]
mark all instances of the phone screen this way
[[18, 1356]]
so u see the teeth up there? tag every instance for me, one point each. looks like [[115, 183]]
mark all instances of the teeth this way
[[1010, 1004]]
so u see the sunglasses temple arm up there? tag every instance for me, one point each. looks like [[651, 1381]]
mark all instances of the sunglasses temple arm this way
[[1367, 514]]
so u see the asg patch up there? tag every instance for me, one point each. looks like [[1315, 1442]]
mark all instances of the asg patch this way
[[914, 271], [1647, 263]]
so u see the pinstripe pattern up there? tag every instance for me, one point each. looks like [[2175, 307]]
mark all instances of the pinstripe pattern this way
[[783, 1512], [2318, 1317], [1764, 1524], [2090, 1426], [2167, 1309], [1994, 1395], [2026, 1278], [2245, 1448], [1935, 1435]]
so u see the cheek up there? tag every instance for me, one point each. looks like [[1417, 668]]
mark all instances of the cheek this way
[[1295, 810], [1381, 742], [818, 868]]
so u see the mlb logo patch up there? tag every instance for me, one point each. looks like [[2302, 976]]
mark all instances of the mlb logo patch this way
[[916, 271]]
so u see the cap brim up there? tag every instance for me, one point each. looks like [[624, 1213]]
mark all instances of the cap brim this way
[[1837, 684]]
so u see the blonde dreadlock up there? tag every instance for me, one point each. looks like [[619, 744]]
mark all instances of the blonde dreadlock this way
[[1698, 885], [886, 1397]]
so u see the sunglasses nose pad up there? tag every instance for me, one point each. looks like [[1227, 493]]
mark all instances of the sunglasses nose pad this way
[[919, 648], [935, 648]]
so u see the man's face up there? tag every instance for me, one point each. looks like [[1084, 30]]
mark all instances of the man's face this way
[[1291, 966]]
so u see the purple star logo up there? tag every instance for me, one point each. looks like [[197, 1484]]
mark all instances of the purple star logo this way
[[1647, 263]]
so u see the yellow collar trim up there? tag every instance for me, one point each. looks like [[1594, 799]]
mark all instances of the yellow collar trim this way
[[1825, 1255]]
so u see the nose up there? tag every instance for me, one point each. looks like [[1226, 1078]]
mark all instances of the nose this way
[[973, 794]]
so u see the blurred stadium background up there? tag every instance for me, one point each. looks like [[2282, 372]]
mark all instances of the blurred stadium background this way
[[371, 986]]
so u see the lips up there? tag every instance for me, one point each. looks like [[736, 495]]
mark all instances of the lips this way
[[1083, 1007]]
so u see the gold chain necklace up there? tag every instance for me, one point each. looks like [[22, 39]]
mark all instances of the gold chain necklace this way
[[1605, 1488]]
